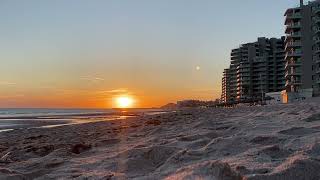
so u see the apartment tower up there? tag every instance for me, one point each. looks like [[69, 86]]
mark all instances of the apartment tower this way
[[225, 95], [256, 68], [302, 47]]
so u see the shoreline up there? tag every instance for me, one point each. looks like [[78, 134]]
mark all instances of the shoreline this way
[[8, 123]]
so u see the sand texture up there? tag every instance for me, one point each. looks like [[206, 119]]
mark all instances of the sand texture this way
[[278, 142]]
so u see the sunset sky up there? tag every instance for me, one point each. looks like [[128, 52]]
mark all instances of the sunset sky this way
[[83, 53]]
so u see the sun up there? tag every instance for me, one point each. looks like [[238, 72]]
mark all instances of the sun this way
[[124, 102]]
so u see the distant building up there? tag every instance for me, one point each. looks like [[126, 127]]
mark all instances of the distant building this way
[[255, 69], [196, 103], [225, 95]]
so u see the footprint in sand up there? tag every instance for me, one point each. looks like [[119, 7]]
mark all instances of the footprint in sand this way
[[297, 131], [265, 140]]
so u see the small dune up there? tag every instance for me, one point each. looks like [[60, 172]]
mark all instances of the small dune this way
[[298, 131]]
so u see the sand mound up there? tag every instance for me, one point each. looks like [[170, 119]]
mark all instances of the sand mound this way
[[139, 161], [42, 150], [34, 168], [94, 175], [298, 131], [211, 170], [295, 168], [210, 135], [180, 159], [314, 150], [313, 118], [265, 140], [107, 142], [153, 122], [198, 144], [275, 152], [80, 148], [10, 174]]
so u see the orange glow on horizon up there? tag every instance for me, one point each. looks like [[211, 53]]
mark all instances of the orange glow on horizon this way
[[143, 97]]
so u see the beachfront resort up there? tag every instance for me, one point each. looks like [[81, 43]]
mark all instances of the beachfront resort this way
[[286, 69]]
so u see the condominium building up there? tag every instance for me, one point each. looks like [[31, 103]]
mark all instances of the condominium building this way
[[256, 68], [225, 95], [302, 47]]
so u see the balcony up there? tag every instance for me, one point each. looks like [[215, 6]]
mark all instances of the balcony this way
[[316, 40], [280, 54], [292, 54], [235, 52], [292, 36], [316, 20], [292, 16], [316, 10], [290, 83], [291, 44], [259, 65], [278, 50], [256, 70], [245, 70], [292, 64], [243, 81], [244, 65], [293, 73], [316, 60], [317, 30], [291, 27], [235, 58], [317, 51], [255, 79], [244, 50]]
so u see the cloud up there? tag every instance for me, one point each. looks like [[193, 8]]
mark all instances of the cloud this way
[[6, 83], [116, 91], [113, 92], [12, 97], [92, 79]]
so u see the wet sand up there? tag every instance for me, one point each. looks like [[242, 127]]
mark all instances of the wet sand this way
[[8, 123]]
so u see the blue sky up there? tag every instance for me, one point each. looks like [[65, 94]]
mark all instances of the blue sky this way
[[149, 48]]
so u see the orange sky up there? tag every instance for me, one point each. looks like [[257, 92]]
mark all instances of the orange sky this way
[[48, 98], [48, 84]]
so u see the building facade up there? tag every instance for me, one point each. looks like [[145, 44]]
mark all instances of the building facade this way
[[256, 68], [302, 48], [225, 95]]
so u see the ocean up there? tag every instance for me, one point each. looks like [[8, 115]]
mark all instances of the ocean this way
[[11, 119]]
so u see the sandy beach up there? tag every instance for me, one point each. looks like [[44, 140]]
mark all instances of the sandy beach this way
[[278, 142]]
